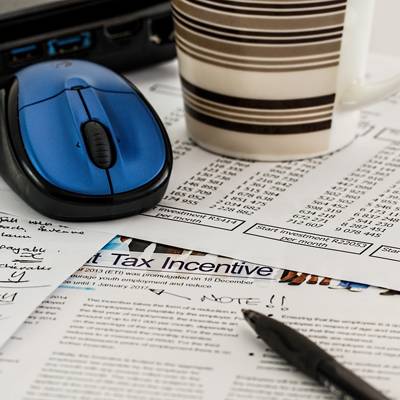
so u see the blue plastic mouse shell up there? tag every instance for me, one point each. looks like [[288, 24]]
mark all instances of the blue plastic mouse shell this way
[[57, 98]]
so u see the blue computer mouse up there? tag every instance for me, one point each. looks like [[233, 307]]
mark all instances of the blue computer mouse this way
[[79, 142]]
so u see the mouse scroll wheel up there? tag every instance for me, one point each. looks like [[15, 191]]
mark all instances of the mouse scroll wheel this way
[[98, 144]]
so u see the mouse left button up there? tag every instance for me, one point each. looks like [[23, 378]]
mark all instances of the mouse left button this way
[[53, 142]]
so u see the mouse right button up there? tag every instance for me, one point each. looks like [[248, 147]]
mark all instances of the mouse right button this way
[[138, 137]]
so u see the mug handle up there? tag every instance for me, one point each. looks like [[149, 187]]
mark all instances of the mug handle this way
[[363, 94]]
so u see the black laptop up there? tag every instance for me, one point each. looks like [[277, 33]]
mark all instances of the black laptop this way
[[121, 34]]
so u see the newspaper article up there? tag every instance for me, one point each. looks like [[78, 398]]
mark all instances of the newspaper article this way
[[145, 321]]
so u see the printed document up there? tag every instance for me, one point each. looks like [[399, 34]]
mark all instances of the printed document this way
[[143, 321], [337, 215], [36, 257]]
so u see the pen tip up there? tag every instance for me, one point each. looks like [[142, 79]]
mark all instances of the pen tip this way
[[249, 316]]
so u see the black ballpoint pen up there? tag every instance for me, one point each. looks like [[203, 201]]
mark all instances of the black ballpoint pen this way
[[309, 358]]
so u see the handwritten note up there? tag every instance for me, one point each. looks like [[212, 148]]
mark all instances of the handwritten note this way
[[35, 257]]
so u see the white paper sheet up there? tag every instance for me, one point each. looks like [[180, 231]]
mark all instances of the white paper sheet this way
[[35, 257], [168, 326], [336, 215]]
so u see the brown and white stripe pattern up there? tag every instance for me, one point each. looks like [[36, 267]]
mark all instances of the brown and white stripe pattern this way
[[277, 38], [258, 116]]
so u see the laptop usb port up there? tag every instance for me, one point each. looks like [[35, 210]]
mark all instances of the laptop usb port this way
[[24, 54], [69, 44], [123, 32]]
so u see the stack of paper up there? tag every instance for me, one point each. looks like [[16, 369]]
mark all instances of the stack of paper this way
[[146, 321]]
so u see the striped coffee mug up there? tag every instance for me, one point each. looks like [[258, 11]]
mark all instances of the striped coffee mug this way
[[274, 79]]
